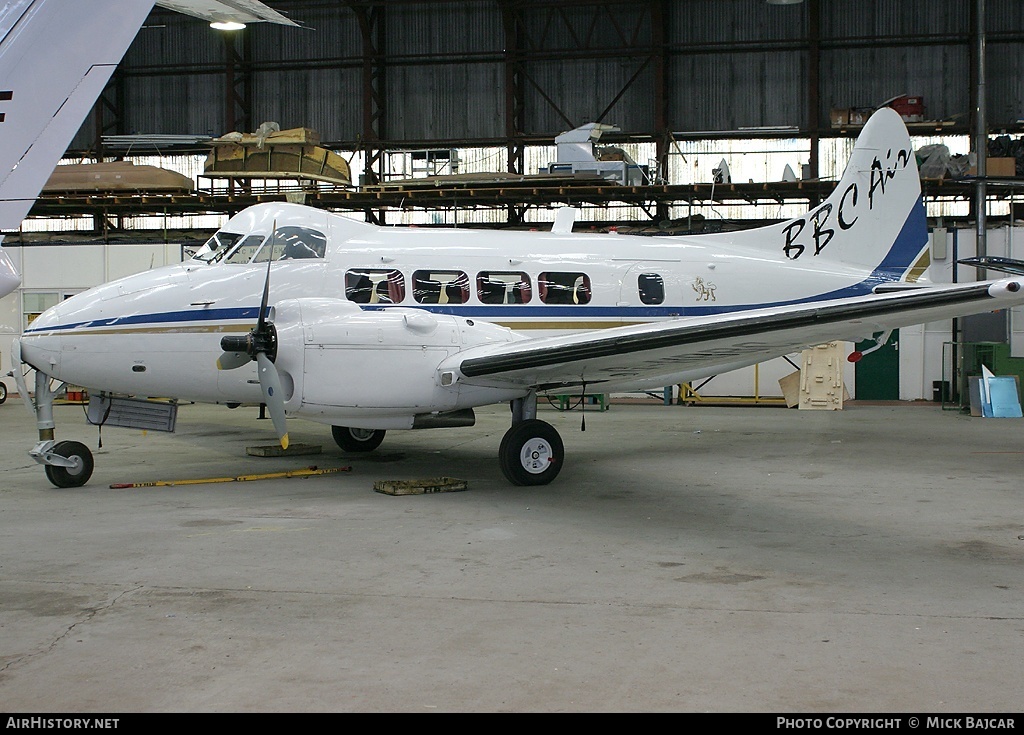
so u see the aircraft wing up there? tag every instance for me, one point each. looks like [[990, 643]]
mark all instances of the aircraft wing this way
[[693, 347]]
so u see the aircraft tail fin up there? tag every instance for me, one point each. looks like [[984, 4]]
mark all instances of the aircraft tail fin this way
[[874, 219], [55, 59]]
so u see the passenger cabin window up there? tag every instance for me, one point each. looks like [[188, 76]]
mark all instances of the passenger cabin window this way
[[503, 287], [652, 288], [440, 287], [374, 286], [563, 288], [293, 243]]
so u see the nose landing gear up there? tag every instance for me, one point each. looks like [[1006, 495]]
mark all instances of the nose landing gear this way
[[67, 464]]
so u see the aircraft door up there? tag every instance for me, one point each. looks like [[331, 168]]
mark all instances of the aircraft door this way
[[877, 374]]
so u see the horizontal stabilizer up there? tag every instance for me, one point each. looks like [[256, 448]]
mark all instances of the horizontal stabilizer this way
[[1003, 265]]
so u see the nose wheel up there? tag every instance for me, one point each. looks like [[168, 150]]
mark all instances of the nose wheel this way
[[531, 453], [75, 466]]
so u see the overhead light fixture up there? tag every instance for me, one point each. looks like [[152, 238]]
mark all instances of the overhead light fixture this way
[[784, 2], [227, 25]]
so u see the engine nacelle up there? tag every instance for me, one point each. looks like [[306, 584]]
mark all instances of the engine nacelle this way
[[338, 362]]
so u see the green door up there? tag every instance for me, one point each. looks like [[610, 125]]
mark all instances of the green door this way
[[878, 374]]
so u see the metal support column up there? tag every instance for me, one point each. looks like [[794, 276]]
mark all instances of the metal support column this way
[[237, 82], [371, 21], [514, 99], [813, 86], [980, 130], [662, 131]]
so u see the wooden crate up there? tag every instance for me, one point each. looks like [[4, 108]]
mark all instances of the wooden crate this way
[[420, 487]]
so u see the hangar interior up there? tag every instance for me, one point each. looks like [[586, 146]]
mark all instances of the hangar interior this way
[[656, 116], [708, 559]]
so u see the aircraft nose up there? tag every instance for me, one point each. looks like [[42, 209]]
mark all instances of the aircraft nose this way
[[9, 276], [40, 351], [40, 343]]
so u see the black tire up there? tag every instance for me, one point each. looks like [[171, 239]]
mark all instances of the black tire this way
[[357, 440], [3, 391], [71, 476], [531, 453]]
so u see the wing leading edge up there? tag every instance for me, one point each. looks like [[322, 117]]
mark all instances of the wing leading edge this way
[[662, 353]]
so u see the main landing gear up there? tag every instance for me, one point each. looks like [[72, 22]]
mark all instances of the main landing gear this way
[[357, 440], [531, 452]]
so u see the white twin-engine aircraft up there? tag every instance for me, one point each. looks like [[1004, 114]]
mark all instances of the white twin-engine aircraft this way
[[369, 328]]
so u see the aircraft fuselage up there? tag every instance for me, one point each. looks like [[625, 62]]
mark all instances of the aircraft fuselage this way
[[158, 333]]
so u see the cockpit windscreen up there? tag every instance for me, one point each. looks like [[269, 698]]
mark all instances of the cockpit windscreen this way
[[289, 243]]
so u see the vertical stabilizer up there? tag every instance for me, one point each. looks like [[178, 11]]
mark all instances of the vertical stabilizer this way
[[873, 223], [875, 217], [55, 58]]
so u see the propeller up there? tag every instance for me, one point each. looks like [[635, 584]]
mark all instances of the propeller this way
[[260, 344]]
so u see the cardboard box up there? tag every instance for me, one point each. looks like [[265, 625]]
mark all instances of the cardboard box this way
[[790, 385], [1006, 167], [911, 109], [843, 116], [860, 115]]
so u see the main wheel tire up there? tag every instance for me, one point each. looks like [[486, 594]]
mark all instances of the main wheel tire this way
[[531, 453], [71, 476], [357, 440], [3, 391]]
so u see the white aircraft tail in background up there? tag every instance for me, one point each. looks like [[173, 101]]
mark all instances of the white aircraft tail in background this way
[[56, 57]]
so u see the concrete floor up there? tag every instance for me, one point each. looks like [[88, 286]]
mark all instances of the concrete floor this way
[[687, 559]]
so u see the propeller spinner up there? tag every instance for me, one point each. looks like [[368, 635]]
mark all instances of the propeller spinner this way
[[260, 344]]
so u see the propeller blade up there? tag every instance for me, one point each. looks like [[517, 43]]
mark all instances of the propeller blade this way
[[273, 397], [232, 360], [266, 283]]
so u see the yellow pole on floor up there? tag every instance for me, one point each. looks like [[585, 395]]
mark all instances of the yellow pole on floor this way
[[308, 472]]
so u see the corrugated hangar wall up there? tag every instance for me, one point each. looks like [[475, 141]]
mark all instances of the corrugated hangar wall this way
[[450, 71]]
